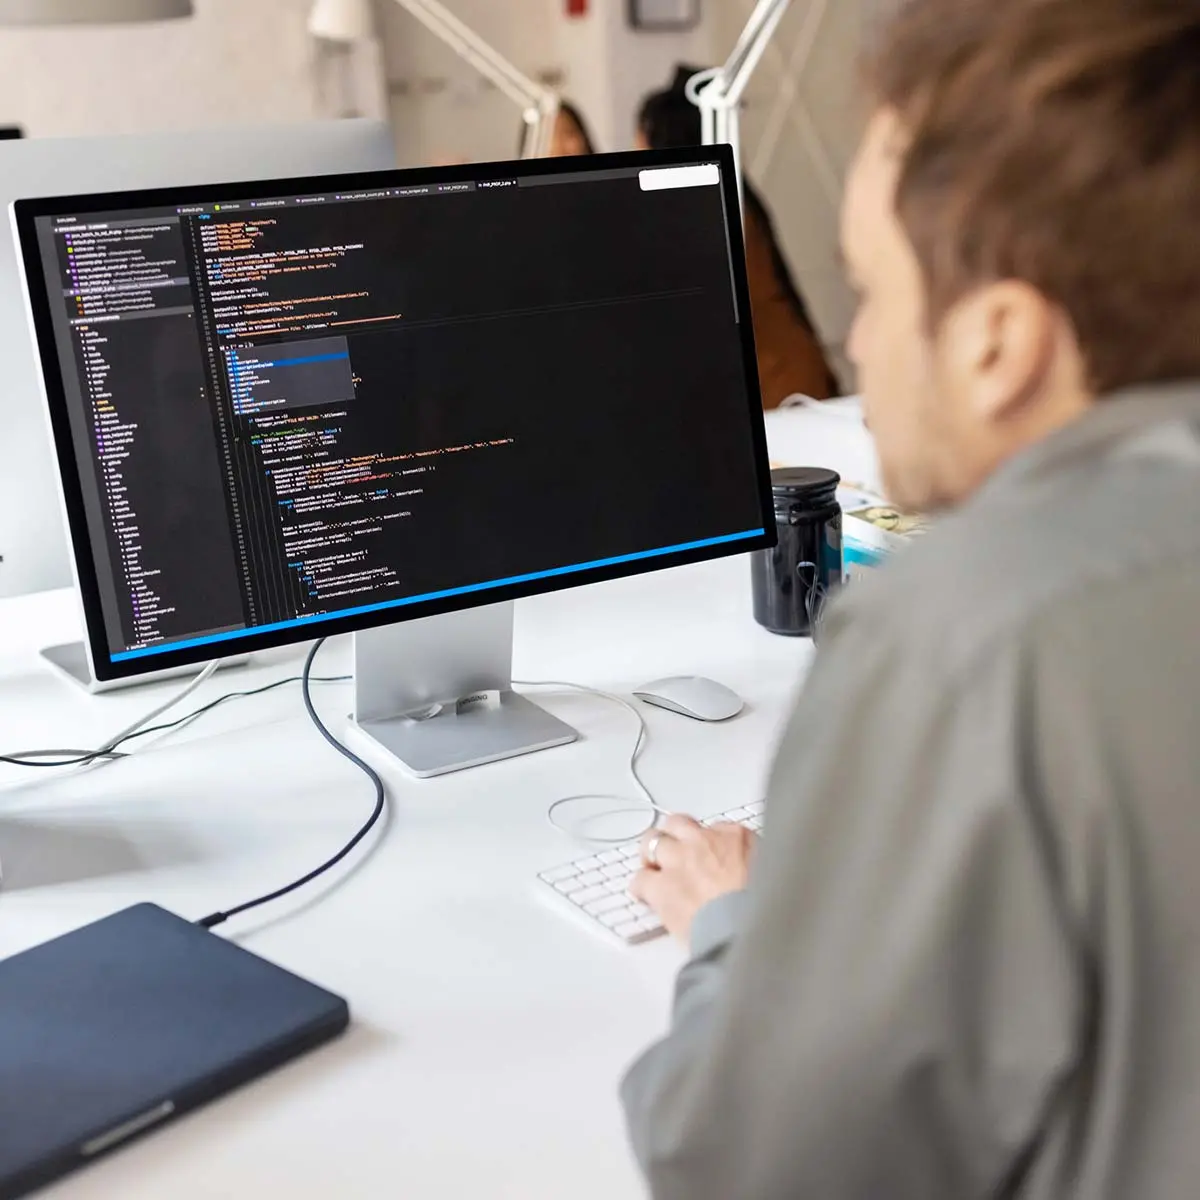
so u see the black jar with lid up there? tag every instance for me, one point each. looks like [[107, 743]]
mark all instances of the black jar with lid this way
[[793, 580]]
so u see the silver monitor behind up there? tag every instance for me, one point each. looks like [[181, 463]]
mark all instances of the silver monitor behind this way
[[70, 662], [33, 541]]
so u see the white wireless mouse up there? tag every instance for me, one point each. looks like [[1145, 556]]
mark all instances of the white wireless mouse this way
[[692, 696]]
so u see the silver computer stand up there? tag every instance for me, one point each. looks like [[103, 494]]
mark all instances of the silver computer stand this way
[[437, 694]]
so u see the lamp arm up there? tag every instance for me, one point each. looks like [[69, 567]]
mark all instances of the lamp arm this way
[[488, 61], [721, 89], [718, 92], [539, 104], [752, 43]]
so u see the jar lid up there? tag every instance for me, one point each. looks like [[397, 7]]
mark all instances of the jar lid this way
[[801, 483]]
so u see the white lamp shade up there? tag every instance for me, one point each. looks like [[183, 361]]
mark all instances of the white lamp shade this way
[[90, 12], [341, 20]]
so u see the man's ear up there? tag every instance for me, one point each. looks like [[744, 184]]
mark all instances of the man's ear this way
[[998, 344]]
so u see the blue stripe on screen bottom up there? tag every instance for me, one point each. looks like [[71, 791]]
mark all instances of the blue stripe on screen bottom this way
[[297, 622]]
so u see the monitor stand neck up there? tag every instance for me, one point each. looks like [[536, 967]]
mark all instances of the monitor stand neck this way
[[437, 694]]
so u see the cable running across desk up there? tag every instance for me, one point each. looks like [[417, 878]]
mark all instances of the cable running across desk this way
[[79, 758], [26, 758], [219, 918], [306, 679]]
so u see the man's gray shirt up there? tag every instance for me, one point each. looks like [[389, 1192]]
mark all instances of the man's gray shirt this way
[[968, 962]]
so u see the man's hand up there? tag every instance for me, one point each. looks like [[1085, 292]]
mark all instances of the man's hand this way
[[685, 865]]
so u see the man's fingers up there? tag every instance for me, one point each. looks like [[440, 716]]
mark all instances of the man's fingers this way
[[681, 828], [647, 886], [659, 849], [731, 829]]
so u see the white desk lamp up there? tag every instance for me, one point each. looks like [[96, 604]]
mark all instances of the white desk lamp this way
[[90, 12], [348, 21], [718, 92]]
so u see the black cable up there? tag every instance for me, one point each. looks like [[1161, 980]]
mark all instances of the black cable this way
[[199, 712], [83, 757], [219, 918]]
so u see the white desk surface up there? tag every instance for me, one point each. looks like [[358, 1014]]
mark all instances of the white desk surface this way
[[489, 1032]]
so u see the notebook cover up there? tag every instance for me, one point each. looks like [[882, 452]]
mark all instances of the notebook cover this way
[[113, 1030]]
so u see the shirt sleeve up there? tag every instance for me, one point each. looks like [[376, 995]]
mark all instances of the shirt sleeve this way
[[904, 997]]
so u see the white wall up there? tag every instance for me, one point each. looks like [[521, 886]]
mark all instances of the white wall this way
[[610, 66], [443, 111], [234, 62]]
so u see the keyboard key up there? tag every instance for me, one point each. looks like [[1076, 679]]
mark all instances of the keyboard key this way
[[584, 865], [585, 896], [628, 929], [591, 878], [617, 916], [567, 886], [606, 904], [561, 873], [610, 856], [616, 871]]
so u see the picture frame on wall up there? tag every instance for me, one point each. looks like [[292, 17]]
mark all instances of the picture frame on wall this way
[[664, 15]]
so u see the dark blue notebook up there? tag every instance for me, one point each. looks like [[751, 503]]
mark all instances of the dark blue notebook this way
[[114, 1029]]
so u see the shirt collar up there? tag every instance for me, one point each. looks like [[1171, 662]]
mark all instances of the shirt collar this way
[[1110, 422]]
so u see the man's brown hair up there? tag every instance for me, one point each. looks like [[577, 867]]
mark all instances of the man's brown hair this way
[[1057, 142]]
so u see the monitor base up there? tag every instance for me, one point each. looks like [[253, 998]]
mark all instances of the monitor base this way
[[70, 661], [437, 696], [454, 741]]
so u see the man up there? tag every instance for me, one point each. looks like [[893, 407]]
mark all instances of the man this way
[[967, 961]]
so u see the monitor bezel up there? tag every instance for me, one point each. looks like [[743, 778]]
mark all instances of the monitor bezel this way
[[26, 213]]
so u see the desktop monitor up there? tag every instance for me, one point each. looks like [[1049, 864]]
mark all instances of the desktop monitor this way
[[393, 404], [33, 544]]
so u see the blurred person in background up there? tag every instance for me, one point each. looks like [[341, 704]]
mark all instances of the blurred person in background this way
[[790, 358], [570, 136]]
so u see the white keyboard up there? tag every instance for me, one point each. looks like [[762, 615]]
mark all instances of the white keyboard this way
[[596, 887]]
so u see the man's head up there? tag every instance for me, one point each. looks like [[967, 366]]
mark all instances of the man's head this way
[[1023, 225]]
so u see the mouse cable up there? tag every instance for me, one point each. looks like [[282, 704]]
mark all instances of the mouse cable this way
[[74, 758], [646, 803], [219, 918]]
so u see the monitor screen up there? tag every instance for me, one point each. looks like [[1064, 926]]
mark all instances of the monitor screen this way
[[291, 409], [35, 550]]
